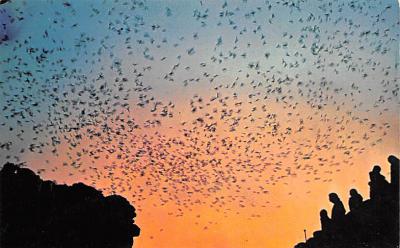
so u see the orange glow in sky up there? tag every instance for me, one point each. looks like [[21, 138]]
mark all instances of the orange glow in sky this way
[[225, 123]]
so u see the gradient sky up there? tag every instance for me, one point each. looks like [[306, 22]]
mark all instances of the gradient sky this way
[[226, 124]]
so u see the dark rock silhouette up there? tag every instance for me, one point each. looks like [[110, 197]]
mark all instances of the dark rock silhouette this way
[[394, 177], [37, 213], [373, 223]]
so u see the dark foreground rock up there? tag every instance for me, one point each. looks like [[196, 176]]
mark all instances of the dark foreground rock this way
[[373, 223], [37, 213]]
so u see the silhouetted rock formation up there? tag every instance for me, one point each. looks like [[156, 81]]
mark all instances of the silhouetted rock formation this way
[[37, 213], [373, 223]]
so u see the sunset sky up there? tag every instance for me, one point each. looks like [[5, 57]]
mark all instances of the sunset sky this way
[[225, 123]]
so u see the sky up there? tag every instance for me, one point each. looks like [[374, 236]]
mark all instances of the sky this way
[[225, 123]]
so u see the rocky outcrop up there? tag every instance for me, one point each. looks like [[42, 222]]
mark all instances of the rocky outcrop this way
[[37, 213], [373, 223]]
